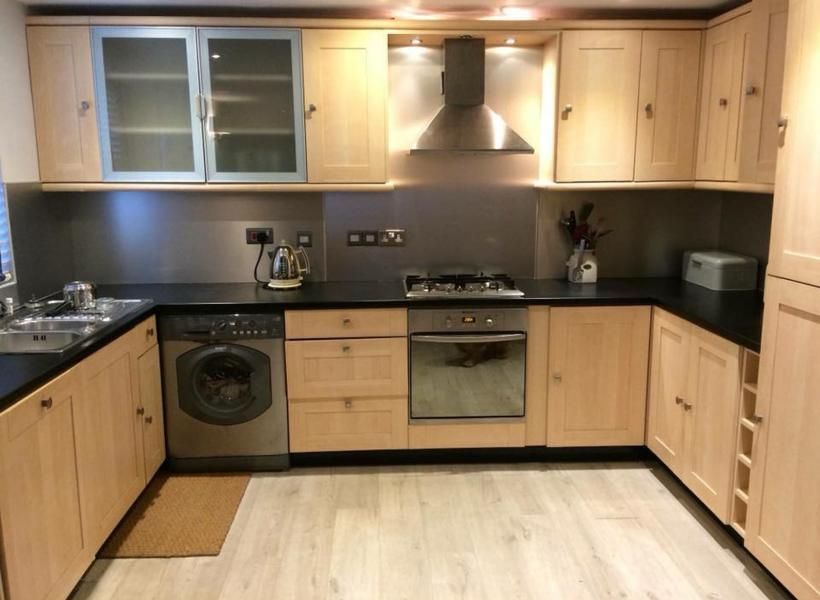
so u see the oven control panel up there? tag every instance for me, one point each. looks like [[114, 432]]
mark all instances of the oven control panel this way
[[467, 320]]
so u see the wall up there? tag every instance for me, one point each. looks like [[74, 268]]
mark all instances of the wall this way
[[651, 230], [461, 212], [18, 147], [176, 237], [745, 225]]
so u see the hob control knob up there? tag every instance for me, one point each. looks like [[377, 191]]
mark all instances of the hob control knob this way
[[489, 322], [221, 325]]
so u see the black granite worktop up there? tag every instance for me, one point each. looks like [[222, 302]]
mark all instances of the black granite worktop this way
[[737, 316]]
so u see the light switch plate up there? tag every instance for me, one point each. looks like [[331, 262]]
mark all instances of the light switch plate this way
[[304, 238], [370, 238]]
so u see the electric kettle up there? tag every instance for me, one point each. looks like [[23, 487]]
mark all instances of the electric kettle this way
[[286, 270]]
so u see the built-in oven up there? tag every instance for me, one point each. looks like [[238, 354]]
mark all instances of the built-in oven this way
[[467, 363]]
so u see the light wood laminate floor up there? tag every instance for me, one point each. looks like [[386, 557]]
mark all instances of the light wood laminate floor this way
[[559, 530]]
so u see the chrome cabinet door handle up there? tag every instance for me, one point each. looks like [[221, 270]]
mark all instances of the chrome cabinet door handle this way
[[723, 102], [648, 108], [751, 90], [565, 111], [47, 403], [678, 400], [311, 109], [149, 419], [85, 105], [557, 377]]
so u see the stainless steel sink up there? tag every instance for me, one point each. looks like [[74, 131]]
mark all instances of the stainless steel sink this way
[[16, 342], [47, 325], [51, 328]]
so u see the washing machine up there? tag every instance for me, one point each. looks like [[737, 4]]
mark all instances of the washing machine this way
[[225, 398]]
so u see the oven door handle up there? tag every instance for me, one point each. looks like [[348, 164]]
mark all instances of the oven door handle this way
[[468, 339]]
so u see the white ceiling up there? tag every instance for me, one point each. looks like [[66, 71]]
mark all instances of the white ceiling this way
[[412, 9]]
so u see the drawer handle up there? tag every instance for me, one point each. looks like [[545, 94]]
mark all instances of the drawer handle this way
[[687, 406], [724, 102], [557, 377], [149, 419], [47, 402], [149, 332], [345, 348], [678, 400], [140, 411], [348, 403], [347, 322]]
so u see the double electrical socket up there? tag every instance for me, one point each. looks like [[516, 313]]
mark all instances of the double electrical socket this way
[[381, 237]]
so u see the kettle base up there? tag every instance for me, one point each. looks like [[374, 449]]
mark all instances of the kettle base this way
[[284, 284]]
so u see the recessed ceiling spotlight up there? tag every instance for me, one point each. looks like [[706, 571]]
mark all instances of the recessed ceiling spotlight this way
[[516, 12], [509, 41], [216, 56], [416, 41]]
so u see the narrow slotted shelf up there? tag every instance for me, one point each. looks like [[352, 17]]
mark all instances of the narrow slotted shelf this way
[[746, 432]]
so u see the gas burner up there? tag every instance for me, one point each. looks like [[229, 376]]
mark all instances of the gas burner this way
[[461, 285]]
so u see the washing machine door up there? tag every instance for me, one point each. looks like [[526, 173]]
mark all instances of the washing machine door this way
[[224, 384]]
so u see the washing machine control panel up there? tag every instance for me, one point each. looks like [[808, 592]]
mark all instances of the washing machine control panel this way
[[227, 327]]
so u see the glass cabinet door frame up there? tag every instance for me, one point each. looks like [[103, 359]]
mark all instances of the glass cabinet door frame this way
[[294, 37], [189, 35]]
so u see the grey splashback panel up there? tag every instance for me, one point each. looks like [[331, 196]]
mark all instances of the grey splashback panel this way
[[41, 236], [166, 237], [652, 229]]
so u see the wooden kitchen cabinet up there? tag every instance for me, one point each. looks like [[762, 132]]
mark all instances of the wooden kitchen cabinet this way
[[795, 244], [346, 368], [668, 381], [44, 552], [763, 91], [710, 409], [345, 105], [109, 439], [718, 139], [694, 391], [598, 361], [65, 110], [597, 102], [149, 379], [668, 104], [783, 523], [341, 323], [348, 424]]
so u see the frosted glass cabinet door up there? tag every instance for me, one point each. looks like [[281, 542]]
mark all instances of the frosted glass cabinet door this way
[[254, 125], [148, 97]]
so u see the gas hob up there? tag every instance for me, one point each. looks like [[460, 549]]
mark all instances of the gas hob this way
[[461, 285]]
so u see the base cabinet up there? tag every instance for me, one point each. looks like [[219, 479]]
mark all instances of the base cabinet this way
[[74, 455], [598, 358], [347, 379], [44, 551], [783, 525], [694, 394]]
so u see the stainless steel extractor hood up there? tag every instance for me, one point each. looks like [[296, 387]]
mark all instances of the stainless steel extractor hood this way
[[465, 123]]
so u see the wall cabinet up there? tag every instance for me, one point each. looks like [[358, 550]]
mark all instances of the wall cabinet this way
[[598, 361], [346, 105], [597, 100], [147, 103], [741, 93], [763, 91], [627, 105], [718, 140], [694, 393], [44, 551], [62, 86], [667, 106], [186, 104], [783, 525], [795, 243]]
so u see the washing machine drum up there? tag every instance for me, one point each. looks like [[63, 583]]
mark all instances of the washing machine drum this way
[[224, 384]]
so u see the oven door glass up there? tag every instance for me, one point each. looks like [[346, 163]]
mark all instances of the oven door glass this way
[[465, 376]]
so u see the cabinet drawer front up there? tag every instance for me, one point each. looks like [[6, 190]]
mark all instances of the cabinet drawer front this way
[[347, 368], [356, 323], [39, 404], [348, 424], [144, 336]]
